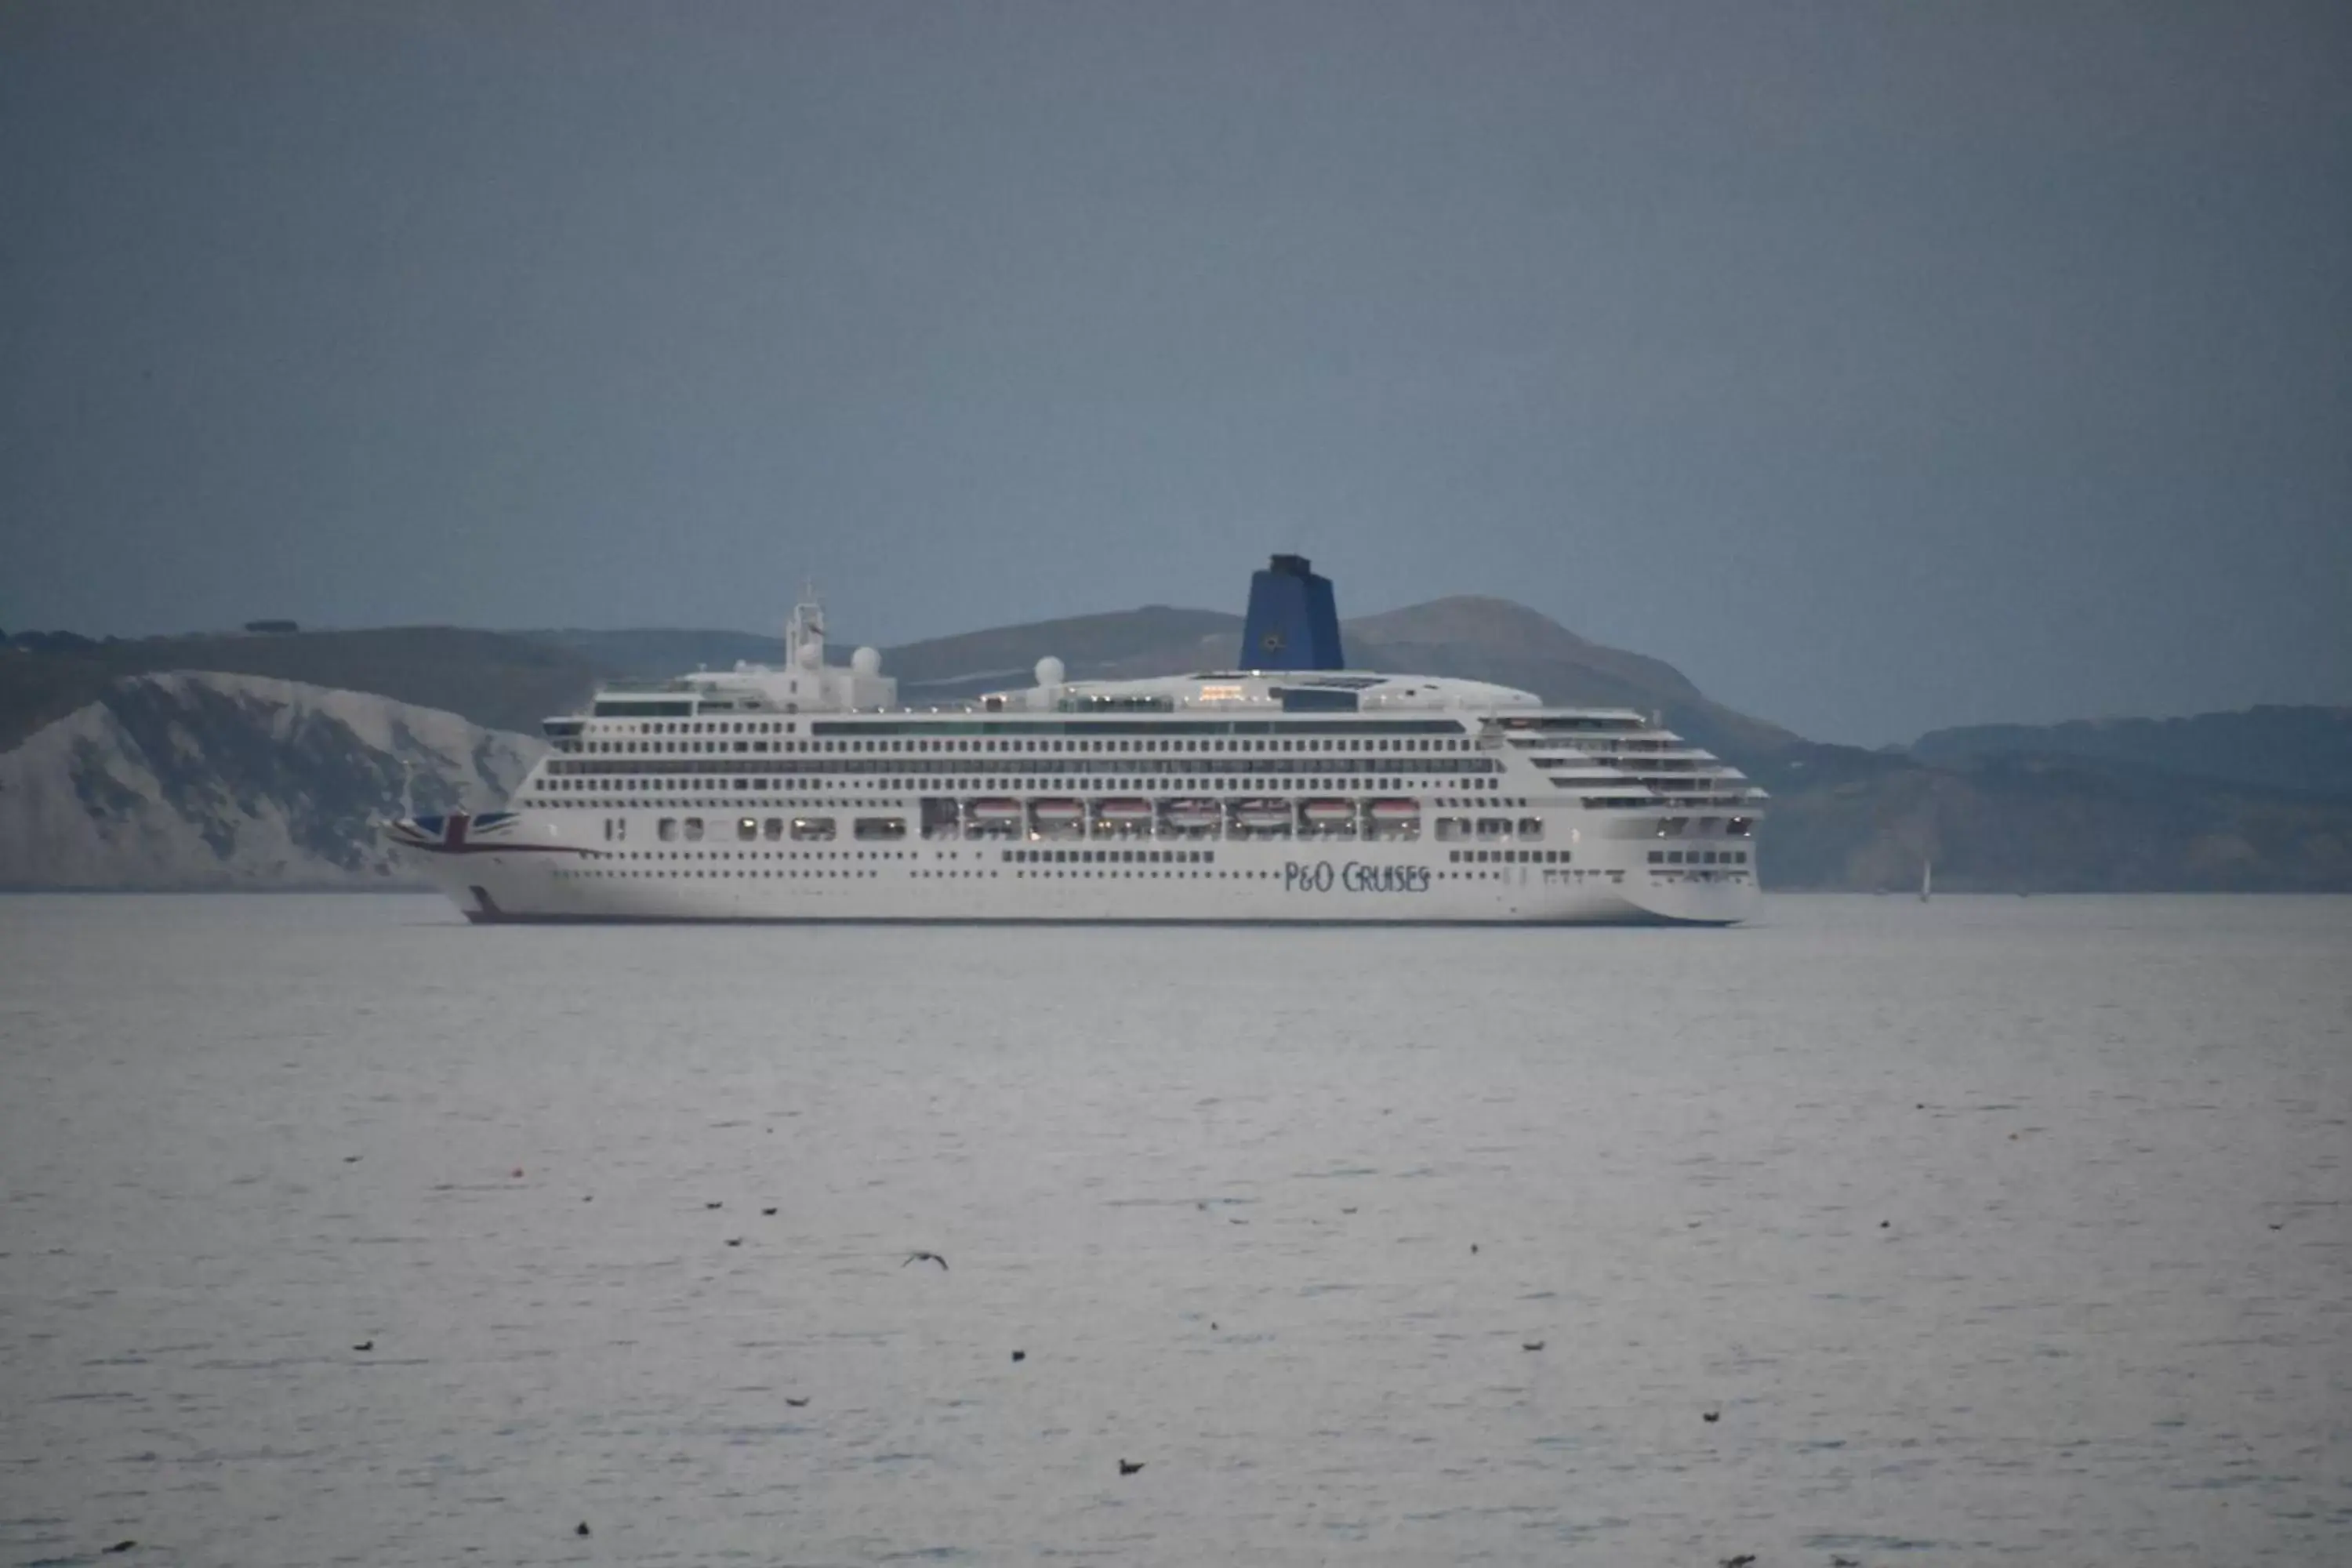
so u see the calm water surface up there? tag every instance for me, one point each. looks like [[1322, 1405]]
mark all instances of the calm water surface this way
[[1996, 1229]]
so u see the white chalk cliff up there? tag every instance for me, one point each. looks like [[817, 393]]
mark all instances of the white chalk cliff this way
[[200, 780]]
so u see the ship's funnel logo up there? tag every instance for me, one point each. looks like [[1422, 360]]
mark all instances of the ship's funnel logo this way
[[1292, 622]]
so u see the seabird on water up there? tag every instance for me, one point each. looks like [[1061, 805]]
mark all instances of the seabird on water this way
[[1125, 1468], [1710, 1416], [1020, 1355], [1531, 1345], [796, 1403], [925, 1258], [364, 1346], [121, 1546], [581, 1528]]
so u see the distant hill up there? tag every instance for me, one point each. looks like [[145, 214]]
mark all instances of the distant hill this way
[[1154, 641], [1846, 819], [2284, 751], [658, 653], [1493, 639], [498, 681]]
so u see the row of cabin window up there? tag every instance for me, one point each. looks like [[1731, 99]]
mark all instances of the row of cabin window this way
[[605, 782], [1447, 827], [677, 873], [1490, 827], [618, 827], [1517, 856], [782, 854], [723, 727], [1699, 857], [1598, 748], [1110, 857], [870, 748], [751, 829], [883, 829], [1157, 767], [1014, 765]]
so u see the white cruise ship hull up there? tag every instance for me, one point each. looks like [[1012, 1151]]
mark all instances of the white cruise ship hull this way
[[531, 872]]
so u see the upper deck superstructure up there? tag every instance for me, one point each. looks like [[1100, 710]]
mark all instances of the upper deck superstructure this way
[[807, 791]]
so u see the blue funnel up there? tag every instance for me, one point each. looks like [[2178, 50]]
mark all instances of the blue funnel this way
[[1292, 622]]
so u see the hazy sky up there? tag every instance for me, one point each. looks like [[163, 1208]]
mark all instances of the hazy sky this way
[[1882, 365]]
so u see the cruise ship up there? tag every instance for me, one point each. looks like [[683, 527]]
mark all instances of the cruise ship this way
[[1292, 791]]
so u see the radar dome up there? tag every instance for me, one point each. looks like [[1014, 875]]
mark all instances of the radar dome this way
[[866, 661], [1049, 671]]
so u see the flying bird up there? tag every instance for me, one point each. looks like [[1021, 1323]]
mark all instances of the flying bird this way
[[925, 1258]]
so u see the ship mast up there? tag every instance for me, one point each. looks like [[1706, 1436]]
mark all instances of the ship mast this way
[[805, 633]]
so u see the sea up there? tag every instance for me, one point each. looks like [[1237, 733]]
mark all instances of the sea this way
[[334, 1230]]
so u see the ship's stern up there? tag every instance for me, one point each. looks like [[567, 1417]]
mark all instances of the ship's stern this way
[[1705, 897]]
